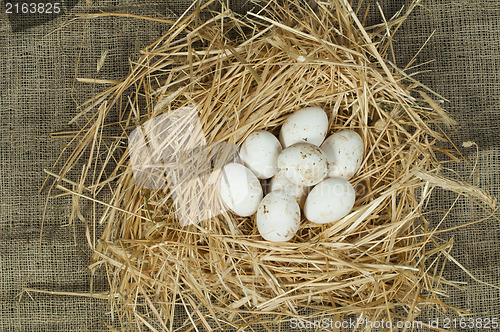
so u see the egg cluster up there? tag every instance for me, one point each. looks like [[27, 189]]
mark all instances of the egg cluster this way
[[307, 172]]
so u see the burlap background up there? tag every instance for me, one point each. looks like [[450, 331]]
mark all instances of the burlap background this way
[[38, 96]]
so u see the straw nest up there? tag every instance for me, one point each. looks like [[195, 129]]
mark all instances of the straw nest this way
[[245, 73]]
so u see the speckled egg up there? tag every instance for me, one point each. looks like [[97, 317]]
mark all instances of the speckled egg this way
[[344, 151], [329, 201], [278, 217], [307, 125], [303, 164]]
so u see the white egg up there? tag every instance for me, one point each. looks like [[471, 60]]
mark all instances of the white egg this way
[[308, 125], [279, 182], [344, 151], [240, 189], [303, 164], [278, 217], [260, 153], [329, 201]]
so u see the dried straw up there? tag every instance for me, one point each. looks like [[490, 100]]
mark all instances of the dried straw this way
[[247, 73]]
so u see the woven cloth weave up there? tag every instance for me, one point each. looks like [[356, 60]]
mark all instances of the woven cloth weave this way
[[39, 61]]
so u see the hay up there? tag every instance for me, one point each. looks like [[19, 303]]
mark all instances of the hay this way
[[245, 73]]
